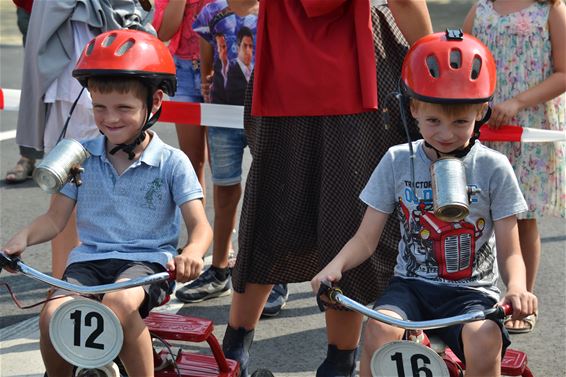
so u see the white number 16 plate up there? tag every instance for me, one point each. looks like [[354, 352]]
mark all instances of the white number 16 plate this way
[[407, 359]]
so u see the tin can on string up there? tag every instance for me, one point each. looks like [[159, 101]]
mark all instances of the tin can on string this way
[[55, 170], [450, 193]]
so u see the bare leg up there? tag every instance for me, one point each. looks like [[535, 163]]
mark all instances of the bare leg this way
[[529, 238], [376, 335], [343, 328], [55, 365], [137, 353], [482, 348], [226, 200], [62, 245], [192, 141], [530, 248], [246, 307]]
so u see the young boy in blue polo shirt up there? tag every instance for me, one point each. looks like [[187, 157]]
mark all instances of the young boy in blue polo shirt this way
[[135, 188]]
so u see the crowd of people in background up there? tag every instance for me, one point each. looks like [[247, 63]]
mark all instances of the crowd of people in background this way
[[313, 98]]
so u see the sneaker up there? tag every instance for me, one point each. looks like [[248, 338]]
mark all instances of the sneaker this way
[[276, 301], [206, 286]]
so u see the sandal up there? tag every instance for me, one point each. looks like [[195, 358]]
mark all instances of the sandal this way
[[21, 172], [529, 325]]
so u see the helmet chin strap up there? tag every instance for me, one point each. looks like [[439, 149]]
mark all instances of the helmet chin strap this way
[[462, 152], [151, 120]]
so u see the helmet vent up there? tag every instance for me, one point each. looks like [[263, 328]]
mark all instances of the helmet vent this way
[[108, 40], [476, 67], [455, 59], [89, 48], [432, 64], [125, 47]]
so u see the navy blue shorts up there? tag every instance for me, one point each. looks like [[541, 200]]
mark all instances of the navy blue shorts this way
[[107, 271], [417, 300]]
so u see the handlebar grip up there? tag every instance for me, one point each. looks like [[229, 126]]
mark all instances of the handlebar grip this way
[[172, 275], [7, 261], [507, 309], [325, 286]]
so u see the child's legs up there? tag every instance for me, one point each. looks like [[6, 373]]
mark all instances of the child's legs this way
[[55, 365], [376, 335], [399, 301], [136, 353], [529, 238], [192, 138], [130, 306], [246, 307], [482, 343], [226, 200], [226, 148], [192, 141]]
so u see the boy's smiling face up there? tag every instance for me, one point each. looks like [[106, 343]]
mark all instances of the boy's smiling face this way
[[120, 116], [445, 130]]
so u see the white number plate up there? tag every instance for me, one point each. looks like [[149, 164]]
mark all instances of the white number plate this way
[[407, 359], [86, 333]]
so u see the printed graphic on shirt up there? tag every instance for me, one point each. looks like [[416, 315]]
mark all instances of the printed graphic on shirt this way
[[153, 193], [446, 251], [233, 40]]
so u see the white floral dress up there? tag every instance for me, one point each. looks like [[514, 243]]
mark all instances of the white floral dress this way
[[520, 44]]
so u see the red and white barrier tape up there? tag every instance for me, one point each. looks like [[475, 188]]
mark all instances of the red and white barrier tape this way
[[213, 115]]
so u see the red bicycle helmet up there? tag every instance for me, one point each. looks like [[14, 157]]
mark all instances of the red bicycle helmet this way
[[128, 53], [449, 67]]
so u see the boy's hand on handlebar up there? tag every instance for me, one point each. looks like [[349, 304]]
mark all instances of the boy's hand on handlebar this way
[[186, 266], [524, 303], [16, 245]]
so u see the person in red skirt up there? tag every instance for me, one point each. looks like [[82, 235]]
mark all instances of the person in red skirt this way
[[315, 137]]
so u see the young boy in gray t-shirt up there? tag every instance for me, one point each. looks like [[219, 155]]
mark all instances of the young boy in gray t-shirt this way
[[444, 267]]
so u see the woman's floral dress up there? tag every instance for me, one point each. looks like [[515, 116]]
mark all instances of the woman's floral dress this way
[[520, 43]]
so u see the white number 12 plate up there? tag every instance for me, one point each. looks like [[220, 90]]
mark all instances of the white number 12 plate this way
[[86, 333]]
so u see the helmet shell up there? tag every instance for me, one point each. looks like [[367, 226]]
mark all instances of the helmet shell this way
[[128, 53], [449, 67]]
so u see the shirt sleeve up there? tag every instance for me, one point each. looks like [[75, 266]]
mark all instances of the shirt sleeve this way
[[185, 185], [70, 190], [201, 23], [379, 192]]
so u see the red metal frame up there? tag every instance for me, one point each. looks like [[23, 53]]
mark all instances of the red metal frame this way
[[173, 327]]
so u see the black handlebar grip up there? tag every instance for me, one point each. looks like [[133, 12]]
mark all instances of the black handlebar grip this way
[[8, 262]]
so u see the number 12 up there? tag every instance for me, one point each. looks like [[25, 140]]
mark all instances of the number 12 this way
[[76, 316]]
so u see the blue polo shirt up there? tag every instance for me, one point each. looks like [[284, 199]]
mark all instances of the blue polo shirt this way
[[133, 216]]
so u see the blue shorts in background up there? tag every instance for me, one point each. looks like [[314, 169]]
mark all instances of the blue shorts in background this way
[[188, 81]]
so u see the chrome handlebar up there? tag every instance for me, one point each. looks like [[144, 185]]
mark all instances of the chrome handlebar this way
[[336, 296], [14, 263]]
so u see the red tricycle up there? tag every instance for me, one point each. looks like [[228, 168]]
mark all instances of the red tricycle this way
[[88, 335], [416, 354]]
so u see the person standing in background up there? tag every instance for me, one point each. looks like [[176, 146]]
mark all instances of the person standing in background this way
[[226, 145], [173, 21], [528, 41], [315, 138], [23, 169]]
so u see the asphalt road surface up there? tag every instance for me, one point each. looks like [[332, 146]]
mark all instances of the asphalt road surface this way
[[292, 344]]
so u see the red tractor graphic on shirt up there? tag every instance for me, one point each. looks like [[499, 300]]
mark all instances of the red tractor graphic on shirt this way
[[451, 244]]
